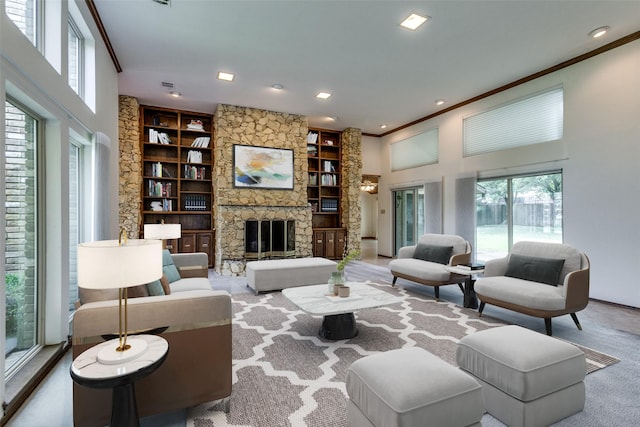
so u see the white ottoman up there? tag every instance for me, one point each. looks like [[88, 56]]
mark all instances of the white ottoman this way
[[278, 274], [411, 387], [528, 379]]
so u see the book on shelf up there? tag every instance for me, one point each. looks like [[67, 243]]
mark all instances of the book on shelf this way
[[329, 179], [470, 266], [201, 142], [159, 189], [192, 172], [312, 137], [158, 171], [329, 205], [195, 124], [156, 137], [328, 166], [194, 157]]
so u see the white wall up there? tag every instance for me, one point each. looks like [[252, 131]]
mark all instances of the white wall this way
[[26, 75], [599, 155]]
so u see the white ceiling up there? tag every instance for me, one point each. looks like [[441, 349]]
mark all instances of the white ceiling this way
[[377, 72]]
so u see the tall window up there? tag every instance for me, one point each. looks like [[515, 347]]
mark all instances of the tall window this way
[[75, 216], [76, 58], [21, 254], [25, 14], [512, 209]]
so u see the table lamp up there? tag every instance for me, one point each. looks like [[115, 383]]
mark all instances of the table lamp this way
[[162, 232], [119, 264]]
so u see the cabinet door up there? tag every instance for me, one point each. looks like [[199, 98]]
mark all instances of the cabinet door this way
[[172, 245], [330, 244], [318, 243], [341, 241], [204, 244], [188, 243]]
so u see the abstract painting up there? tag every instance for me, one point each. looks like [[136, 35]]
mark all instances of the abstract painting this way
[[262, 167]]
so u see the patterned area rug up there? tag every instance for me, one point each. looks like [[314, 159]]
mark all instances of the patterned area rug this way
[[284, 374]]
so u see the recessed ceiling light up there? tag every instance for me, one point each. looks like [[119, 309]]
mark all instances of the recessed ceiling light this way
[[333, 118], [175, 94], [228, 77], [383, 126], [414, 21], [277, 86], [323, 95], [439, 101], [598, 32]]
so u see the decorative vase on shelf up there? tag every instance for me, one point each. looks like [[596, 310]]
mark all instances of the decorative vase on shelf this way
[[337, 278]]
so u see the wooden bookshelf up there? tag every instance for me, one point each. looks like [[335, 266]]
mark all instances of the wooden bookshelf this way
[[324, 190], [177, 160]]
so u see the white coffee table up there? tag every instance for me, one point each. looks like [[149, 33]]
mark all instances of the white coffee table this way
[[339, 322]]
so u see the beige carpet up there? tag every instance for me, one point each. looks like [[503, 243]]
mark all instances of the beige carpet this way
[[285, 375]]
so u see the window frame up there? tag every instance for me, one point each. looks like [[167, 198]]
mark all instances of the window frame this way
[[38, 27], [509, 202], [39, 251], [74, 29]]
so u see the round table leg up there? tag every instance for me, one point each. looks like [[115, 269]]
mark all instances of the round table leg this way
[[124, 410], [339, 327]]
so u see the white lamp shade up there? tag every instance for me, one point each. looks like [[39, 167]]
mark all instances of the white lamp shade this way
[[107, 265], [162, 231]]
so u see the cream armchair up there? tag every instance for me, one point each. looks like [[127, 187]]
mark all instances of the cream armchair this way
[[427, 262], [538, 279]]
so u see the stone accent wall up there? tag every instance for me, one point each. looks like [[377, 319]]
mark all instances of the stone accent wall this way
[[351, 177], [130, 166], [232, 206]]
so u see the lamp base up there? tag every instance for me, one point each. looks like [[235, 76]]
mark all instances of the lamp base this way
[[109, 355]]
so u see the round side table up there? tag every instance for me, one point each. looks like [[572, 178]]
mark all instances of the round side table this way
[[87, 371]]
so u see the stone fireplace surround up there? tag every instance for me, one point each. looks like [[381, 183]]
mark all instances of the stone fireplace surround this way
[[233, 206]]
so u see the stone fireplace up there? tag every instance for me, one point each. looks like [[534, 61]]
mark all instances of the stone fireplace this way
[[235, 206]]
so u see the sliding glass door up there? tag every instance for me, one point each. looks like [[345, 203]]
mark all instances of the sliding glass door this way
[[516, 208], [408, 216]]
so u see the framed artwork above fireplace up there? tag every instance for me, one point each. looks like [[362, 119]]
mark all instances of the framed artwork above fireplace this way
[[262, 167]]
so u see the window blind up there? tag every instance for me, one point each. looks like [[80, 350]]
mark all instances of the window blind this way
[[533, 120], [418, 150]]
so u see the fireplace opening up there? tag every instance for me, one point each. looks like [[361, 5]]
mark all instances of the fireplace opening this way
[[269, 239]]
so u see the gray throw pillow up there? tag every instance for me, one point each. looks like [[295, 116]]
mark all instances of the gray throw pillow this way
[[433, 253], [543, 270]]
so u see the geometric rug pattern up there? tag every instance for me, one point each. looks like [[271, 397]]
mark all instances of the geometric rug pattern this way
[[284, 374]]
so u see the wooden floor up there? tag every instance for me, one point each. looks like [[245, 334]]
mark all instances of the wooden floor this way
[[613, 315]]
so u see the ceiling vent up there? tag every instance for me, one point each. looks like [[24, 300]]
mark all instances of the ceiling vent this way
[[167, 84], [164, 2]]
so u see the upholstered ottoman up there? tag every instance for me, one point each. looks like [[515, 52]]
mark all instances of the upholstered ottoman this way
[[528, 379], [278, 274], [411, 387]]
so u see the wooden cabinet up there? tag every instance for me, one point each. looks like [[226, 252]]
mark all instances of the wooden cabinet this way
[[177, 161], [204, 243], [329, 242]]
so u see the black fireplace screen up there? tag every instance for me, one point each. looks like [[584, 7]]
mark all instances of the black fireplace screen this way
[[269, 239]]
